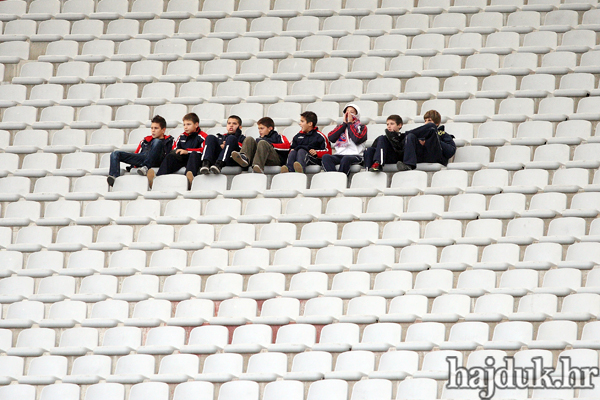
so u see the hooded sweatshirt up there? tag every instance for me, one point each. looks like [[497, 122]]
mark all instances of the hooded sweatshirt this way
[[349, 138]]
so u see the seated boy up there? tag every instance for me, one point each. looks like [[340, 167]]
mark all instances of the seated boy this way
[[388, 148], [269, 149], [218, 148], [308, 146], [149, 153], [348, 140], [186, 151], [428, 143]]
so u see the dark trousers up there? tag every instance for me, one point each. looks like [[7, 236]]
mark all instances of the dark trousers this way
[[261, 153], [213, 151], [303, 157], [345, 162], [381, 152], [174, 162], [149, 159], [433, 151]]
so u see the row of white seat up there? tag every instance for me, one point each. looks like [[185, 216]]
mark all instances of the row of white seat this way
[[332, 389], [133, 116], [148, 9], [411, 24], [430, 333], [268, 367], [496, 87], [524, 279]]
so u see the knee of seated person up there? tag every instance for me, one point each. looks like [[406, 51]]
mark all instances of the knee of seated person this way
[[262, 143], [411, 136], [231, 139]]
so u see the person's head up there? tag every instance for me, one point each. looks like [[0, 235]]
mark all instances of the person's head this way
[[432, 116], [233, 123], [394, 123], [351, 110], [265, 126], [157, 127], [308, 121], [190, 122]]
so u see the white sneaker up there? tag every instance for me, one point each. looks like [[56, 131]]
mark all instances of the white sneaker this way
[[143, 171]]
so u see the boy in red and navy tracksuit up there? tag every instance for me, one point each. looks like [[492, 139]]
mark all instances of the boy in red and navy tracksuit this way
[[308, 146], [270, 148], [348, 140], [218, 148], [187, 150], [150, 152]]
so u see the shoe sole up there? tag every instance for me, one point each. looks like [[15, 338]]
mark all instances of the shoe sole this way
[[298, 167], [150, 177], [257, 169], [237, 157], [111, 181], [204, 171], [141, 172], [215, 170], [284, 169]]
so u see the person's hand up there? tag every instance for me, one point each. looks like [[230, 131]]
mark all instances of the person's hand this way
[[312, 152], [181, 152], [421, 142], [222, 145]]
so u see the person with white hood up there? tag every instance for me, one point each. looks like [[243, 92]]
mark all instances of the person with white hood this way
[[348, 140]]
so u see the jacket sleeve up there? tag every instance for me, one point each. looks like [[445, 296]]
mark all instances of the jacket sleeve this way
[[358, 134], [139, 146], [284, 145], [325, 146], [334, 135]]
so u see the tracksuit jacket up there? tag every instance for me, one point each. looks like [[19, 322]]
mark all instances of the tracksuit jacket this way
[[314, 139], [193, 142]]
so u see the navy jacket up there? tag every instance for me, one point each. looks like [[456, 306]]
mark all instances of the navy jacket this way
[[193, 142], [313, 140]]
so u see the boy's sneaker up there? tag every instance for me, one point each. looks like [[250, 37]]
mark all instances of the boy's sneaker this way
[[110, 180], [375, 167], [143, 171], [205, 167], [150, 176], [190, 178], [284, 169], [257, 169], [298, 167], [216, 169], [404, 167], [240, 158]]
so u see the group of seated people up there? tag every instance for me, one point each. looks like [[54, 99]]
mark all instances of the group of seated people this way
[[201, 153]]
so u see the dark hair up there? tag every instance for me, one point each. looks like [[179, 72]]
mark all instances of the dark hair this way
[[266, 121], [157, 119], [310, 116], [434, 115], [396, 118], [192, 117], [239, 120]]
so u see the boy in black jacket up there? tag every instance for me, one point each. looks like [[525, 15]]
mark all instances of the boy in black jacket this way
[[308, 146], [218, 148], [149, 153], [428, 143], [388, 148], [186, 151], [269, 149]]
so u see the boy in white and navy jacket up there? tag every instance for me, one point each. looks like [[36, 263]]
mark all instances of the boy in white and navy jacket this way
[[348, 141]]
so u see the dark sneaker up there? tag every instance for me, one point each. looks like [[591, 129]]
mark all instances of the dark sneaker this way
[[205, 168], [404, 167], [257, 169], [375, 167], [284, 169], [110, 180], [240, 158], [143, 171], [298, 167], [150, 175]]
